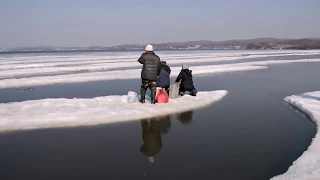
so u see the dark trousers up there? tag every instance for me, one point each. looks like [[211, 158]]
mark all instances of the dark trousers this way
[[193, 92], [151, 84]]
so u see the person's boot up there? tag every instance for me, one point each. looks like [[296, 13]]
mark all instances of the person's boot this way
[[181, 93], [193, 92], [153, 96], [143, 95]]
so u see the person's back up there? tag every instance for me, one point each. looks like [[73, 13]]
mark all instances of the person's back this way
[[150, 69], [164, 79], [186, 81], [149, 73]]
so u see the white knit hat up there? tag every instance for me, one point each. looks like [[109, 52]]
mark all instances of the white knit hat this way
[[185, 66], [149, 47]]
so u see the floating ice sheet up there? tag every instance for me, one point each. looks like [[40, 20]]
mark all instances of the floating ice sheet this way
[[135, 73], [92, 59], [112, 75], [307, 166], [62, 112]]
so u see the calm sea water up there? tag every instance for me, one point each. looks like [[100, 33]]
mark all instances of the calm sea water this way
[[250, 134]]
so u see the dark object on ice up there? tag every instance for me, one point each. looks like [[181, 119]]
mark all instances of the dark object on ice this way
[[151, 65], [185, 76], [164, 77], [149, 73], [152, 86]]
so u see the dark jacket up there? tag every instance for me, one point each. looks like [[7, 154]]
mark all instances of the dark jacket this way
[[186, 80], [164, 79], [151, 66]]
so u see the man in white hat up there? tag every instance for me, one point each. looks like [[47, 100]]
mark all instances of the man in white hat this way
[[149, 73]]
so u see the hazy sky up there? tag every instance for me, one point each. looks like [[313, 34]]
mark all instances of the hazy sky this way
[[113, 22]]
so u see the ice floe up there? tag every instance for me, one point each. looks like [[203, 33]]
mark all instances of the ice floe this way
[[307, 166], [76, 60], [63, 112], [135, 73], [112, 75]]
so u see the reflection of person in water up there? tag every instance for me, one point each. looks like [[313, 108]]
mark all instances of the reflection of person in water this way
[[164, 123], [185, 118], [151, 135]]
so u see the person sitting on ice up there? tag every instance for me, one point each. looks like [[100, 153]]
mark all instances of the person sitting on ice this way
[[149, 73], [164, 79], [185, 76]]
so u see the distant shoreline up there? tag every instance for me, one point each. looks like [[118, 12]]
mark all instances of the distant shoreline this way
[[141, 50], [238, 44]]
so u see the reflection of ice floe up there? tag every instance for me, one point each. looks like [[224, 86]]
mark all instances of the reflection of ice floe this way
[[308, 165], [108, 109]]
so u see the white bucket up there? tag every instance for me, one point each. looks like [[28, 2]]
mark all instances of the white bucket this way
[[174, 91], [132, 96]]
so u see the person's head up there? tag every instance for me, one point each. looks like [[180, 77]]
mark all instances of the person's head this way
[[163, 62], [185, 67], [148, 48]]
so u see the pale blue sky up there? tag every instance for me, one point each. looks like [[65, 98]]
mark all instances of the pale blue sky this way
[[113, 22]]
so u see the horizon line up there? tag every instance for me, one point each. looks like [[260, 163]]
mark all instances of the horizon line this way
[[143, 44]]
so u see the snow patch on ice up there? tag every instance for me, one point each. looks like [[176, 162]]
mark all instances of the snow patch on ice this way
[[10, 73], [306, 167], [130, 60], [112, 75], [135, 73], [63, 112]]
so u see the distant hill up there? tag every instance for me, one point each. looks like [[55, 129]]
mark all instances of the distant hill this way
[[307, 43], [258, 43]]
